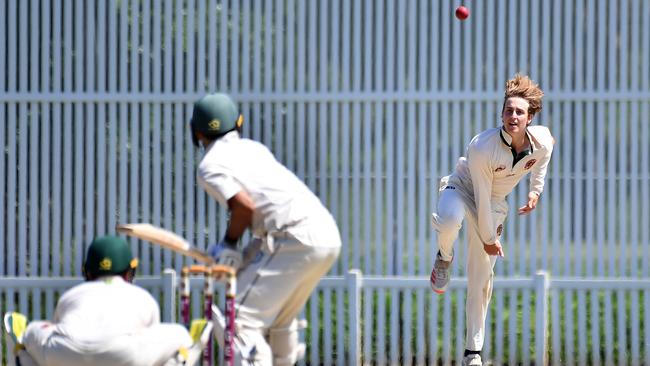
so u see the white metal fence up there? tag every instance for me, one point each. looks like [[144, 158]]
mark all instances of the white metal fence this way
[[369, 101], [382, 320]]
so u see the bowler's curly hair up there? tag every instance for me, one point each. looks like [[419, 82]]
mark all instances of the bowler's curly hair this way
[[522, 86]]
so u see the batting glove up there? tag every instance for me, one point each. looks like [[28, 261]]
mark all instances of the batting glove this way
[[225, 254]]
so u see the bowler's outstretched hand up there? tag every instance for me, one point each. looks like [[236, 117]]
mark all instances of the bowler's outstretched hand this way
[[530, 205]]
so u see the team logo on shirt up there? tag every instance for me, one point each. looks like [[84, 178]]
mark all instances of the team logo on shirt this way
[[105, 264], [499, 229], [530, 164], [500, 168], [214, 125]]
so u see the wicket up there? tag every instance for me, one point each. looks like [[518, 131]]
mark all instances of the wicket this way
[[221, 273]]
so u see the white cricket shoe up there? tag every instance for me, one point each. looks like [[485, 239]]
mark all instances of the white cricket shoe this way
[[200, 331], [472, 360], [440, 275]]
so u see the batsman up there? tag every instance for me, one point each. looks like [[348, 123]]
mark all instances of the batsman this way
[[295, 239], [496, 160]]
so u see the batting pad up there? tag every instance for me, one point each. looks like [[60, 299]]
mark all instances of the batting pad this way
[[219, 322]]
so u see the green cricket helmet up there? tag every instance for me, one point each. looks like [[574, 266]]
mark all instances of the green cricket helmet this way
[[108, 255], [213, 116]]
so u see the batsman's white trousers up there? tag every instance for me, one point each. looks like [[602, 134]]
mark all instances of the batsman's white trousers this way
[[272, 291], [155, 345], [452, 209]]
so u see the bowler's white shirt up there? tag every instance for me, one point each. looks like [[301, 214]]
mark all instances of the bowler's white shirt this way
[[282, 201], [488, 173]]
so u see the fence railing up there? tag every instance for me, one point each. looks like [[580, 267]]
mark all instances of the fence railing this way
[[356, 319]]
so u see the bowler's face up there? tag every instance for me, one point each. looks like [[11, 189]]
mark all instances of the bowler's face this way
[[515, 115]]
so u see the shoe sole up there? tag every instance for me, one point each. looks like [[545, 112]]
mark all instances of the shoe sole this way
[[439, 291], [5, 322]]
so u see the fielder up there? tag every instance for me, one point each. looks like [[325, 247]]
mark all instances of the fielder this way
[[105, 321], [496, 160], [295, 243]]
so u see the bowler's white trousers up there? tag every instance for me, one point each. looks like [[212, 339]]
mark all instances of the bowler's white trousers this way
[[454, 205]]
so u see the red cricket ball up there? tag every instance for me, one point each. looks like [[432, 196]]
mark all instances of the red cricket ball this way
[[462, 12]]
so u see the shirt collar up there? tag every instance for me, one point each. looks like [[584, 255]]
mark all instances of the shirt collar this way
[[230, 136], [507, 139]]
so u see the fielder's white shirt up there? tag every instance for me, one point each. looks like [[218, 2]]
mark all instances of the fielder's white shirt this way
[[282, 201], [487, 172], [97, 311]]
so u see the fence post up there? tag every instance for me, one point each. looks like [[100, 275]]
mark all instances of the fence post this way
[[353, 280], [169, 296], [541, 317]]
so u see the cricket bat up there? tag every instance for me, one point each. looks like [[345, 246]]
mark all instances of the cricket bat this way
[[164, 238]]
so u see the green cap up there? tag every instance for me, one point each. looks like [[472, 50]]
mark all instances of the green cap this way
[[214, 115], [109, 255]]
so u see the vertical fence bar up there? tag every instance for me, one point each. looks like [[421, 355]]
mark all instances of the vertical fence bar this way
[[378, 141], [169, 295], [369, 162], [381, 326], [555, 327], [645, 174], [4, 247], [165, 139], [191, 85], [422, 204], [367, 193], [21, 151], [314, 334], [333, 44], [354, 282], [90, 158], [351, 79], [600, 156], [278, 146], [542, 284], [45, 144], [133, 192], [122, 181], [635, 31], [459, 346], [157, 85], [290, 107], [327, 357], [112, 116], [612, 183], [212, 19], [645, 210], [34, 145], [147, 128], [222, 61], [246, 45]]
